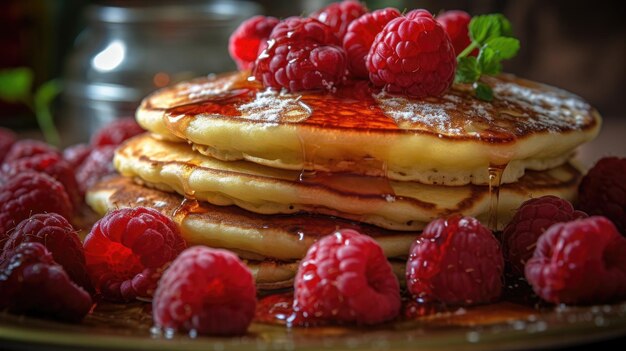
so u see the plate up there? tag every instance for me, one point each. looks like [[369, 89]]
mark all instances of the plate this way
[[500, 326]]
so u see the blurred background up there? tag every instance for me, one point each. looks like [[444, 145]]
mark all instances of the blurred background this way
[[107, 55]]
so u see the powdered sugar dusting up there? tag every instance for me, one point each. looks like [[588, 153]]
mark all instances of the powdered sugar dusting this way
[[272, 107], [210, 87], [552, 109], [432, 114]]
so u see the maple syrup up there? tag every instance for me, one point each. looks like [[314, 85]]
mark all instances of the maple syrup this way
[[495, 180], [279, 309], [187, 206]]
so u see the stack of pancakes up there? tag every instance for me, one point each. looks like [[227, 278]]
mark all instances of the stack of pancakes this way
[[265, 173]]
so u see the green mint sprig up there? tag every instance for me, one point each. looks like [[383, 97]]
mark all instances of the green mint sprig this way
[[16, 86], [492, 35]]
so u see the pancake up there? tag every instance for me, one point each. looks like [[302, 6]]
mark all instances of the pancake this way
[[395, 205], [271, 246], [274, 275], [252, 236], [452, 139]]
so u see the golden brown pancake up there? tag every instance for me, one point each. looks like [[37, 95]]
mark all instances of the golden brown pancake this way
[[271, 246], [251, 235], [452, 139], [395, 205]]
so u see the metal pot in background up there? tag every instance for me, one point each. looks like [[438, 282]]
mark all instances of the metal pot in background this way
[[128, 51]]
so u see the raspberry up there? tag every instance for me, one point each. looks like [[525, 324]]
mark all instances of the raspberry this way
[[127, 250], [530, 221], [339, 15], [583, 261], [59, 237], [51, 164], [456, 24], [97, 165], [207, 290], [303, 54], [456, 261], [76, 154], [116, 132], [32, 283], [360, 36], [345, 277], [603, 191], [412, 55], [27, 148], [28, 193], [246, 41], [7, 139], [297, 29]]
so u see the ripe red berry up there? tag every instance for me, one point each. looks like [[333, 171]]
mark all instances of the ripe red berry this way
[[116, 132], [28, 193], [302, 54], [412, 55], [457, 261], [51, 164], [75, 155], [32, 283], [345, 277], [531, 220], [206, 290], [339, 15], [456, 24], [27, 147], [582, 261], [7, 139], [603, 191], [360, 36], [97, 165], [59, 237], [127, 251], [249, 39]]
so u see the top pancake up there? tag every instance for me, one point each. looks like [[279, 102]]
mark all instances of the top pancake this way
[[450, 140]]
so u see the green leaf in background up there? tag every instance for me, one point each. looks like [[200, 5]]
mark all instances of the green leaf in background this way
[[505, 47], [483, 91], [44, 96], [467, 70], [15, 84]]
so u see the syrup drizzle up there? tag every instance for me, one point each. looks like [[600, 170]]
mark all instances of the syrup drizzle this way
[[186, 207], [495, 180], [354, 107]]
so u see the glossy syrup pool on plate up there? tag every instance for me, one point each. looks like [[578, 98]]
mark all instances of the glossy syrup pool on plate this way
[[508, 324]]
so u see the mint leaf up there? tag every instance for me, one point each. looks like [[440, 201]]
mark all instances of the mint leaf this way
[[15, 84], [483, 28], [505, 26], [488, 61], [467, 70], [492, 35], [483, 91], [505, 47]]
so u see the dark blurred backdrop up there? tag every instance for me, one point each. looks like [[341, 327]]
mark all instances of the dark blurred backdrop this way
[[576, 45]]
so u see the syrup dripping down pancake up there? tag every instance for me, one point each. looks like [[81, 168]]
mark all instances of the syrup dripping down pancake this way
[[449, 140], [270, 245], [394, 205]]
